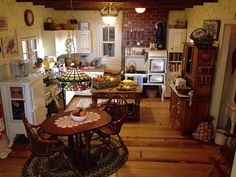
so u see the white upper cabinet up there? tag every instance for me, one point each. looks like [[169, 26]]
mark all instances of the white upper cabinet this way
[[83, 41], [56, 42], [176, 37]]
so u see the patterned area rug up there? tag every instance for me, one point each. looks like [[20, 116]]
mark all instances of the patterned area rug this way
[[102, 165]]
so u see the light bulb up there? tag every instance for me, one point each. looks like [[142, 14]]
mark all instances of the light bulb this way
[[140, 10]]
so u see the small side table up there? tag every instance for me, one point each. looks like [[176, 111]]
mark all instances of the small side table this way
[[230, 112]]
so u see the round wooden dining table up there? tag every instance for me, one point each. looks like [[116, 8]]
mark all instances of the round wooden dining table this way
[[62, 125]]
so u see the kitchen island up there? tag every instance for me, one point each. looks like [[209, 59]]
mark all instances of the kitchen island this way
[[133, 97]]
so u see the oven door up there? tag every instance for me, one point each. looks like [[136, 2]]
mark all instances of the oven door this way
[[157, 65], [156, 78]]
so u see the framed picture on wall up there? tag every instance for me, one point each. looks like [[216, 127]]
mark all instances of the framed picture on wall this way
[[212, 27], [9, 44], [3, 23]]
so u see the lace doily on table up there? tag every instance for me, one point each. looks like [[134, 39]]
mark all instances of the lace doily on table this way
[[67, 122]]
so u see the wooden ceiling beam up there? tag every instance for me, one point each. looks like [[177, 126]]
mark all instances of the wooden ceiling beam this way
[[119, 4]]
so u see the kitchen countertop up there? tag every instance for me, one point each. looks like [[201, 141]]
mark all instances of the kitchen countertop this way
[[21, 80], [94, 69], [172, 86]]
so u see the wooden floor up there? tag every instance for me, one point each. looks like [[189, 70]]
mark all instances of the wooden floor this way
[[156, 149]]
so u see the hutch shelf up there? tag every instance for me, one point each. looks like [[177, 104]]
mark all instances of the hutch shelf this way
[[198, 70]]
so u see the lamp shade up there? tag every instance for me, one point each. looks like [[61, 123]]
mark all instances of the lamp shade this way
[[109, 13], [140, 10], [109, 20], [74, 79]]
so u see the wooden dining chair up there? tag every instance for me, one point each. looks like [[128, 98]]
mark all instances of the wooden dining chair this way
[[117, 107], [44, 145], [222, 166]]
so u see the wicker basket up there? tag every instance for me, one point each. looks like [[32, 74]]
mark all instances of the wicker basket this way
[[49, 24]]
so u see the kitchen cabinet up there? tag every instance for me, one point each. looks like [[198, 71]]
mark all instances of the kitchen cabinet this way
[[54, 42], [23, 96], [83, 41], [175, 43], [197, 69], [175, 39], [186, 112]]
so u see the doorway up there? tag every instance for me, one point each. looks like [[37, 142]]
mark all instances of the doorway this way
[[229, 84]]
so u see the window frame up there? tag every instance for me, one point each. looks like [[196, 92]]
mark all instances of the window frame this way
[[28, 35], [109, 42], [30, 52]]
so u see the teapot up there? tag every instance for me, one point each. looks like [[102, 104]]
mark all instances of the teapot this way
[[131, 67]]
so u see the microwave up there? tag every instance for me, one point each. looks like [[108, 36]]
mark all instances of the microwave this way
[[157, 65], [156, 78]]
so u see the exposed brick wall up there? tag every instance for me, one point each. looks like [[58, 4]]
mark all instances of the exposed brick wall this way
[[146, 22]]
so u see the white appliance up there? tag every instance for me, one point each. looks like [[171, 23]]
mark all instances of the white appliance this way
[[157, 61], [20, 68], [23, 96], [156, 75], [156, 78]]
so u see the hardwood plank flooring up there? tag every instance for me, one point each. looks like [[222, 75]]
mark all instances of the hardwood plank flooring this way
[[156, 148]]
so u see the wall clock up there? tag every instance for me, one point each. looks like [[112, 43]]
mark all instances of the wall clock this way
[[29, 17]]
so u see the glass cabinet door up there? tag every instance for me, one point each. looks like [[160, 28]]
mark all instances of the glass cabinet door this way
[[17, 102]]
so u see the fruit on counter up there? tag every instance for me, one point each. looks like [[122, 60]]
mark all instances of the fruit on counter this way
[[104, 79], [123, 87], [79, 112], [128, 82], [99, 79]]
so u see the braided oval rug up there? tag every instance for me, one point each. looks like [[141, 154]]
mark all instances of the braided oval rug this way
[[110, 162]]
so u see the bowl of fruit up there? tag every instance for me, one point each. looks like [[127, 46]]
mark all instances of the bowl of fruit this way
[[79, 114], [127, 82]]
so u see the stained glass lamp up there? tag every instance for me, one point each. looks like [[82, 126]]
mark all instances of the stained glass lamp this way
[[73, 79]]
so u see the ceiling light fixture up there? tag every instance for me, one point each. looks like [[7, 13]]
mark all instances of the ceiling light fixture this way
[[71, 77], [140, 10], [109, 13]]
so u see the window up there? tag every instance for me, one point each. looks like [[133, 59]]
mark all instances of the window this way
[[109, 41], [30, 44], [30, 49]]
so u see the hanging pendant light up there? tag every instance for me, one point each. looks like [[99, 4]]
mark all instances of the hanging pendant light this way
[[109, 13], [140, 10], [72, 78]]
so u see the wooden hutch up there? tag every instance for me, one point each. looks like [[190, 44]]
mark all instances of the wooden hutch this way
[[198, 70]]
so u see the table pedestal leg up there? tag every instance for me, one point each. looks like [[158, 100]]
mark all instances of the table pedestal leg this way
[[87, 137], [71, 147]]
